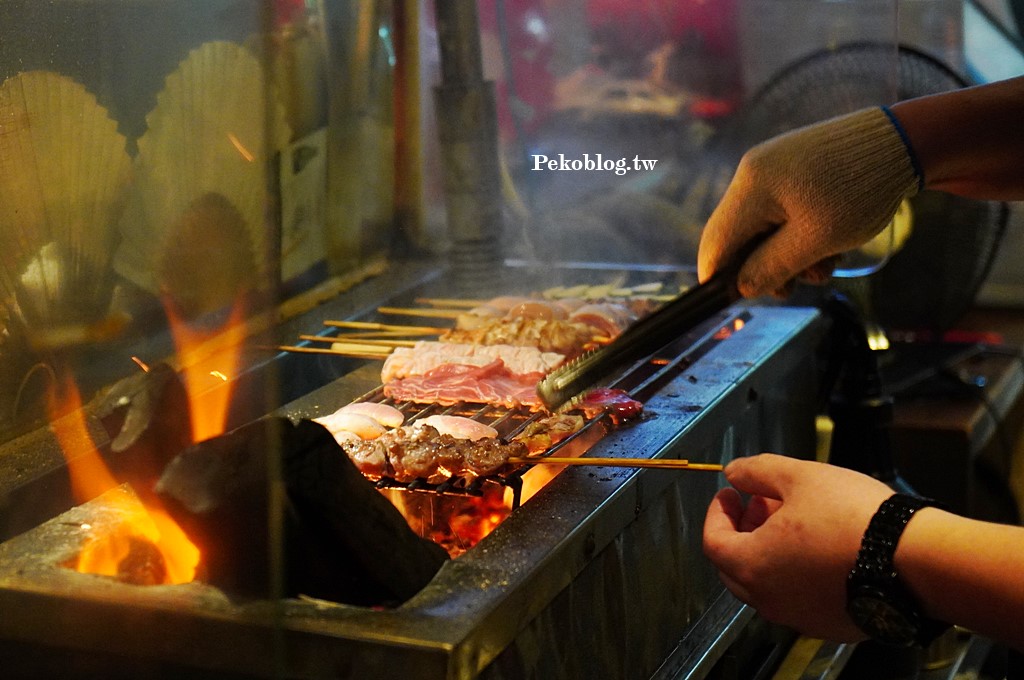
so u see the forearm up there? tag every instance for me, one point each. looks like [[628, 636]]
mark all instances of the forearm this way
[[967, 572], [969, 142]]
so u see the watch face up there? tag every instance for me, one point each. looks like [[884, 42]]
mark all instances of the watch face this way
[[877, 616]]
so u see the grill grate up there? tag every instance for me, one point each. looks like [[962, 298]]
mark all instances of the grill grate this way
[[507, 421], [639, 381]]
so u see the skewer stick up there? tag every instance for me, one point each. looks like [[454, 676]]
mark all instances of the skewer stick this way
[[423, 311], [347, 340], [381, 335], [368, 353], [661, 463], [374, 326], [451, 302]]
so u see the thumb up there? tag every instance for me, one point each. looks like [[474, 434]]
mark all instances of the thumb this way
[[775, 264], [737, 219], [768, 474]]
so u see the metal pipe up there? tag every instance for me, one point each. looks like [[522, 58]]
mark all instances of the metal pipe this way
[[468, 134]]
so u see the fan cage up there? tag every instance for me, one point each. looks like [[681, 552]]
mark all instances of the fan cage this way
[[934, 278]]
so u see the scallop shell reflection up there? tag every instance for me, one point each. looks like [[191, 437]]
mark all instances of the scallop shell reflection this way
[[194, 226], [63, 173]]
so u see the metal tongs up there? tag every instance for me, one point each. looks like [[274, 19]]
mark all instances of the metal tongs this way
[[569, 383]]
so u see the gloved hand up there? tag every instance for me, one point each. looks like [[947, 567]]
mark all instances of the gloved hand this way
[[819, 190]]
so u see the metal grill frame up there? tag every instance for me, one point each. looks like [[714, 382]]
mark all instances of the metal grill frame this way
[[488, 613]]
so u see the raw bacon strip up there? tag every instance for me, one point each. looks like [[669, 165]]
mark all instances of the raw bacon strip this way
[[427, 355], [450, 384]]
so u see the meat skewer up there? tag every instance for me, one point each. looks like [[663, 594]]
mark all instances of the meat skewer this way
[[412, 452], [547, 335]]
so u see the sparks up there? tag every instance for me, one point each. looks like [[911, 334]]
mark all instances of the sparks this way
[[246, 154]]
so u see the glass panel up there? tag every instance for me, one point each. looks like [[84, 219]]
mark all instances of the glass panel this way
[[617, 120], [187, 184]]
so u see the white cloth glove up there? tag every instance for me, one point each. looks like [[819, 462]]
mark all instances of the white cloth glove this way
[[818, 190]]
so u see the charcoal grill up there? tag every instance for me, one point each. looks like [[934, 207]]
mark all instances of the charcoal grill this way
[[600, 574], [641, 381]]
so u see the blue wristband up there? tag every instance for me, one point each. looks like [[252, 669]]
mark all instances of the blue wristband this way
[[907, 145]]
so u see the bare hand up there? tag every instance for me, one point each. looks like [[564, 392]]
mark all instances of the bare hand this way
[[788, 550]]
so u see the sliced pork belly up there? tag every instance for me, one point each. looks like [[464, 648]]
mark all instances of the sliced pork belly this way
[[426, 356], [453, 383]]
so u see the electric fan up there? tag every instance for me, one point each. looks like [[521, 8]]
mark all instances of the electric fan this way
[[948, 243]]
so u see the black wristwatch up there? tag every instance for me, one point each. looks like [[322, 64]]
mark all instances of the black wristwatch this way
[[876, 599]]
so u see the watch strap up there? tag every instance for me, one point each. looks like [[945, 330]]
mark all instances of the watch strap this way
[[878, 546], [875, 559]]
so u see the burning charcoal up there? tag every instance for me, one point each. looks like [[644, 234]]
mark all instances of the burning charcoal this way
[[147, 419], [143, 565], [343, 540]]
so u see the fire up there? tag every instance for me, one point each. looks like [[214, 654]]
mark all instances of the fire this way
[[146, 532], [456, 523], [148, 546], [727, 330], [536, 478], [208, 387], [142, 526]]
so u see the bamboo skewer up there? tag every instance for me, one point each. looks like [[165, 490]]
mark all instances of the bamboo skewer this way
[[451, 302], [382, 335], [349, 340], [353, 351], [374, 326], [660, 463], [432, 312]]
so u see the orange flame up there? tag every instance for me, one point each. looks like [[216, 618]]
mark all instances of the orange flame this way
[[91, 477], [208, 387], [726, 331], [456, 523]]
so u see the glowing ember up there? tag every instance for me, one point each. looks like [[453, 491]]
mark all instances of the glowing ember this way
[[149, 547], [727, 330], [456, 523]]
